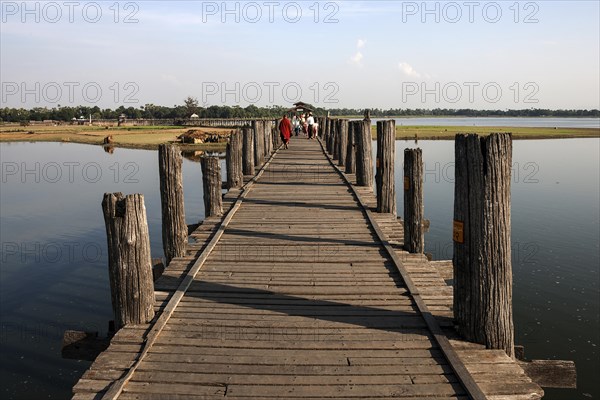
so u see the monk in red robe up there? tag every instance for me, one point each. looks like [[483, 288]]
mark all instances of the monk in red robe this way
[[285, 130]]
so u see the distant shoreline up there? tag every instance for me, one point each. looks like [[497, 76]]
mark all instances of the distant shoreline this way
[[149, 137], [405, 132], [461, 116]]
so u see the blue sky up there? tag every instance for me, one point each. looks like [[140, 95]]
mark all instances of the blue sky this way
[[484, 55]]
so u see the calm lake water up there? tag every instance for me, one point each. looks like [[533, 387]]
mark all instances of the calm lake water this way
[[500, 121], [54, 261]]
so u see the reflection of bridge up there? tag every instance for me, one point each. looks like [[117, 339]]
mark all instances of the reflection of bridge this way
[[301, 291]]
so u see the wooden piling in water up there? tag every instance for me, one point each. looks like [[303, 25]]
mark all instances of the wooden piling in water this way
[[211, 182], [386, 153], [275, 137], [174, 228], [248, 151], [350, 162], [259, 143], [481, 234], [335, 142], [330, 136], [343, 142], [322, 123], [364, 159], [129, 259], [233, 160], [267, 131], [414, 234]]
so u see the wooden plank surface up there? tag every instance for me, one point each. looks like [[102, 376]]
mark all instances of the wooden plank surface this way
[[298, 299]]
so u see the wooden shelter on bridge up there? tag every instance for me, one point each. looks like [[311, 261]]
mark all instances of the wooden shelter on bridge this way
[[301, 107]]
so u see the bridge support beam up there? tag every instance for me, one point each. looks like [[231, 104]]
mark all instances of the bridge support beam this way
[[233, 160], [343, 142], [259, 142], [275, 137], [174, 228], [129, 262], [266, 136], [364, 159], [211, 182], [482, 256], [248, 151], [335, 140], [350, 162], [414, 233], [386, 152]]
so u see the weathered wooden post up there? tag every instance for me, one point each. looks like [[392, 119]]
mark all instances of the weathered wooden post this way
[[321, 122], [322, 128], [331, 136], [386, 152], [276, 135], [233, 160], [211, 182], [350, 162], [481, 234], [364, 159], [414, 234], [272, 138], [129, 259], [267, 137], [343, 142], [174, 228], [248, 151], [259, 144], [336, 140]]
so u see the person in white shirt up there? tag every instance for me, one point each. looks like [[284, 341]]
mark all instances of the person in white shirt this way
[[310, 121]]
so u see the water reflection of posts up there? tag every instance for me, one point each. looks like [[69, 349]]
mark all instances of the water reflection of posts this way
[[233, 157], [174, 228], [364, 159], [211, 182], [386, 151], [482, 262], [129, 262], [110, 149], [414, 234]]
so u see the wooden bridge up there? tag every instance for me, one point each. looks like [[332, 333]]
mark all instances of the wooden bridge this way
[[301, 290]]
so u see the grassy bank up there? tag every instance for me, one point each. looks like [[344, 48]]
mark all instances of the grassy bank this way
[[149, 137], [143, 137]]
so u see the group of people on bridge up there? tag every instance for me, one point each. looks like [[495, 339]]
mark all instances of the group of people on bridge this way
[[306, 123]]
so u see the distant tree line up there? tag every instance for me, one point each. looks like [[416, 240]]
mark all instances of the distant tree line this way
[[190, 106]]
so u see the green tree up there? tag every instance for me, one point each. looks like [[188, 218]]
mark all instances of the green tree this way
[[191, 105]]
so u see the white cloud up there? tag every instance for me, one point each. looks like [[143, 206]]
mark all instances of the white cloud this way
[[172, 79], [408, 70], [357, 58]]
